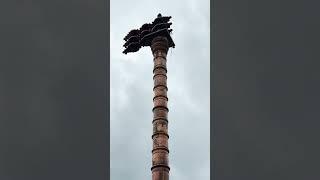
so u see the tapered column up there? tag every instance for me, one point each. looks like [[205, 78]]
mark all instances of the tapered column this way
[[160, 160]]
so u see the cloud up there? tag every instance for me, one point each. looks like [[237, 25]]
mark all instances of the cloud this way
[[189, 91]]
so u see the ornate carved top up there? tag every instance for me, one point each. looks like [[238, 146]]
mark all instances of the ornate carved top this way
[[145, 35]]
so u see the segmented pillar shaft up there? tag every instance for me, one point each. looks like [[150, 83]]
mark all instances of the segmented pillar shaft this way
[[160, 160]]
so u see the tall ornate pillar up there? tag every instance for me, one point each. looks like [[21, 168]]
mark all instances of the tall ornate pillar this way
[[157, 36], [160, 152]]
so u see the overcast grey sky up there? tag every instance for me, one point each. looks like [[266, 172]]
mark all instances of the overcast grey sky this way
[[189, 91]]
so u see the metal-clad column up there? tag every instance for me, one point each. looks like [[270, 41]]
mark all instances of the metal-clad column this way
[[160, 160]]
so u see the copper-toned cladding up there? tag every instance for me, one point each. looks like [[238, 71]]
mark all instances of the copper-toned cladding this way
[[160, 160], [160, 71], [160, 102], [160, 62], [160, 140], [160, 74], [160, 113], [157, 36], [160, 174], [160, 91], [160, 81], [160, 128], [159, 48]]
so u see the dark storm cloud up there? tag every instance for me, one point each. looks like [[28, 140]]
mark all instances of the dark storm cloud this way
[[266, 90], [53, 94]]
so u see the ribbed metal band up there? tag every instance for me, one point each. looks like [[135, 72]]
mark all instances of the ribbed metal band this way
[[155, 75], [159, 133], [160, 119], [160, 165], [160, 96], [163, 67], [160, 107], [160, 56], [160, 148], [159, 86]]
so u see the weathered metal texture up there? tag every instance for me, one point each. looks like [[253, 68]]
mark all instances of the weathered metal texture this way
[[160, 152]]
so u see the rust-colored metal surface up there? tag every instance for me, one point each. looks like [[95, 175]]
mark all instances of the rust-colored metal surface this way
[[160, 152]]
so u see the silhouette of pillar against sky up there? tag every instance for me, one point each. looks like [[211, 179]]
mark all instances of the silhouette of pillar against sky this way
[[157, 36]]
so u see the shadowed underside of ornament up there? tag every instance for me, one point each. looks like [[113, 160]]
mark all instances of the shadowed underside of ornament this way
[[143, 36]]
